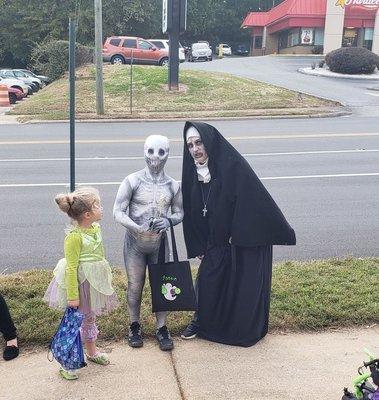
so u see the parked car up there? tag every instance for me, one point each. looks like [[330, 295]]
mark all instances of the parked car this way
[[226, 49], [200, 51], [241, 50], [44, 79], [15, 83], [206, 42], [21, 75], [121, 49], [164, 44], [14, 74], [15, 95]]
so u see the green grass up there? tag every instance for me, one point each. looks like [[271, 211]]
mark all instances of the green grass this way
[[201, 95], [306, 296]]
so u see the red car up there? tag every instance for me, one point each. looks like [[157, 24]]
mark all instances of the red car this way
[[121, 49], [15, 95]]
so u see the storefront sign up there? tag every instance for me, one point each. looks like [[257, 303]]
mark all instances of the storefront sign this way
[[306, 36], [364, 3]]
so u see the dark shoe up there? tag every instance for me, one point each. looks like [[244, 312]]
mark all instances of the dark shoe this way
[[164, 339], [10, 352], [190, 332], [135, 335]]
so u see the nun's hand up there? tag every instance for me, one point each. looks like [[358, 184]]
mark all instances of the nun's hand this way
[[160, 224]]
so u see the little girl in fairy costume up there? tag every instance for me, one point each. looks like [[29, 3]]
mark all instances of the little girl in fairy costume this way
[[83, 279]]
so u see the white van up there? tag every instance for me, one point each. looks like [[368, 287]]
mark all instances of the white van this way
[[164, 44]]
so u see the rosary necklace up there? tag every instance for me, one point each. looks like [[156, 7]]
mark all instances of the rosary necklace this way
[[205, 202]]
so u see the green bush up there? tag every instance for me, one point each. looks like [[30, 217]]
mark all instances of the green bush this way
[[352, 60], [318, 49], [51, 57]]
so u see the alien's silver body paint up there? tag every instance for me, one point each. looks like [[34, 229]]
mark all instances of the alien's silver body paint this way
[[143, 196]]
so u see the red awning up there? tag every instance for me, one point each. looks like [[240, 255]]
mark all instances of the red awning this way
[[360, 12], [306, 13], [287, 9], [255, 19]]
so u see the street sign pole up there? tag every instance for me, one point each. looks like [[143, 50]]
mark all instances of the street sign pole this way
[[72, 38]]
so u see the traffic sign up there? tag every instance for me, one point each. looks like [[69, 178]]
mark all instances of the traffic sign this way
[[170, 8], [165, 16]]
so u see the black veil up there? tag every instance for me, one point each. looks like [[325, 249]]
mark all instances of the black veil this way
[[242, 207]]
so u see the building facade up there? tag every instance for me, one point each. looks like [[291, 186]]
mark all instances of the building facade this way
[[314, 27]]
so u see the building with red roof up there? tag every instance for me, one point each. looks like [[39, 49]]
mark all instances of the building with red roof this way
[[314, 26]]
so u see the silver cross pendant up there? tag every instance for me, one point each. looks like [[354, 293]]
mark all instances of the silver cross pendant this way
[[205, 211]]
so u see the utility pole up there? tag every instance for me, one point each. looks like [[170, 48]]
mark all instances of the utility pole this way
[[72, 36], [174, 20], [99, 57], [173, 37]]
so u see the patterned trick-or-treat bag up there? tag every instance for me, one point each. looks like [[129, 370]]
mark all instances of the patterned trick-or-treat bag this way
[[66, 345]]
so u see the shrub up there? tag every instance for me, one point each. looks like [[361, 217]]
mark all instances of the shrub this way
[[51, 57], [352, 60], [318, 49]]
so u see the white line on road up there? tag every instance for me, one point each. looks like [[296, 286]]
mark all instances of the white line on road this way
[[232, 138], [268, 178], [292, 153]]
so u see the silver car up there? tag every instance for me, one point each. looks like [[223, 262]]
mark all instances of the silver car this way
[[44, 79], [35, 83], [15, 83], [200, 51]]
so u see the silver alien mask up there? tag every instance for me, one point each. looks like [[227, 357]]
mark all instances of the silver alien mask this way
[[156, 149]]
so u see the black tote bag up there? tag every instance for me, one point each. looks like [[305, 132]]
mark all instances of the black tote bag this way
[[171, 283]]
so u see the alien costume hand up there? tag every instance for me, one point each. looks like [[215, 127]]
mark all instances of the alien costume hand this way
[[160, 224], [143, 228]]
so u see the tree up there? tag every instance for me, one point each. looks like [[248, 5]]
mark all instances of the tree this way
[[26, 23]]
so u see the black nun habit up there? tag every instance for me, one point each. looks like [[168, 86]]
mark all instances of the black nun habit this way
[[242, 223]]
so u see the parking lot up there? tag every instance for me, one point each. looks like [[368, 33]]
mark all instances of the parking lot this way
[[283, 71], [21, 83]]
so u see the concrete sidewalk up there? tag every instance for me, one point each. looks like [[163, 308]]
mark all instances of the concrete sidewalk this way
[[7, 119], [293, 366]]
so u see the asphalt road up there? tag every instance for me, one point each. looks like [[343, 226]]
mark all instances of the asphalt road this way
[[283, 71], [323, 173]]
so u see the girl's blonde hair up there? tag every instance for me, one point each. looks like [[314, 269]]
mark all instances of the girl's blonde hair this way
[[75, 204]]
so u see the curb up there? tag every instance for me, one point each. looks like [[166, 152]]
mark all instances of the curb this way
[[331, 114], [295, 55], [355, 78]]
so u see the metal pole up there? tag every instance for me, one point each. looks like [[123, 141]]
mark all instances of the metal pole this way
[[72, 35], [99, 57], [131, 83], [173, 73]]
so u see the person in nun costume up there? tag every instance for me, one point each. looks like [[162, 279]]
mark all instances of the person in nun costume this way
[[231, 223]]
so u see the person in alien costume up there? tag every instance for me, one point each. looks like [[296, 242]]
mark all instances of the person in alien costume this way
[[141, 206]]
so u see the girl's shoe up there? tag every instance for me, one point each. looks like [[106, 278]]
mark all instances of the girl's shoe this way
[[99, 358], [68, 375]]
